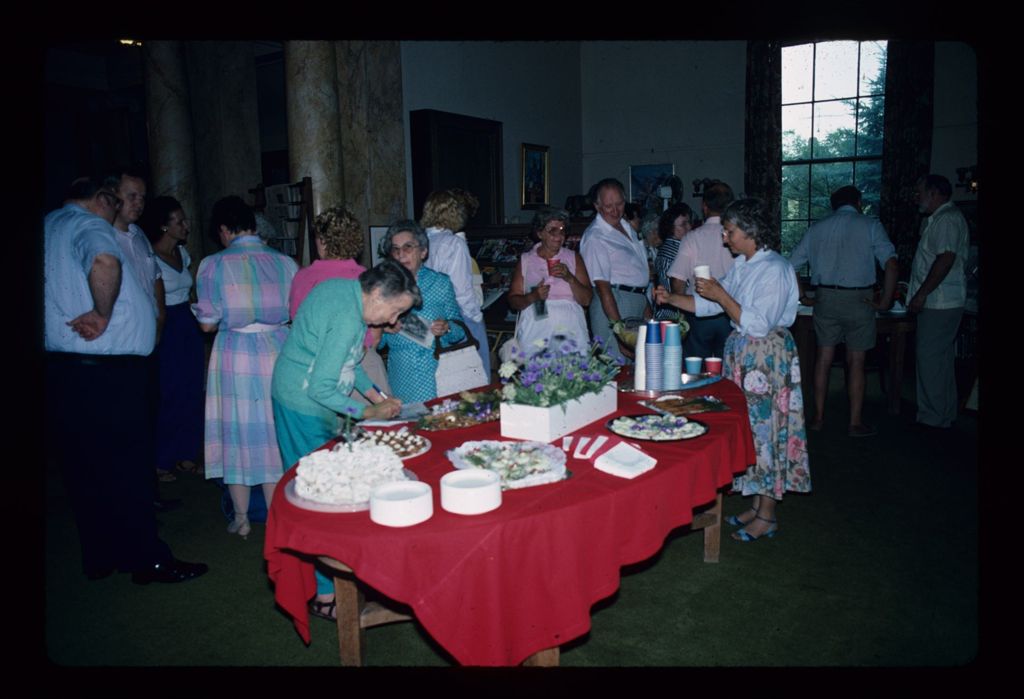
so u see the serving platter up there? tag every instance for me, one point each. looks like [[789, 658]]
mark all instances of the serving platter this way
[[519, 464], [652, 427], [381, 437], [688, 380], [294, 498]]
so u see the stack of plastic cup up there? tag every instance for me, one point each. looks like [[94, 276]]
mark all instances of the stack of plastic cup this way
[[672, 361], [653, 355], [640, 365]]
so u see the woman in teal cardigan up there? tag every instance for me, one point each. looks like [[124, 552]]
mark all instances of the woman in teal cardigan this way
[[319, 366]]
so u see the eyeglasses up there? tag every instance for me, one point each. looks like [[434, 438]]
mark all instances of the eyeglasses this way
[[397, 250], [113, 201], [555, 230]]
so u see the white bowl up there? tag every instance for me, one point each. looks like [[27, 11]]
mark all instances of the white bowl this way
[[470, 491], [401, 504]]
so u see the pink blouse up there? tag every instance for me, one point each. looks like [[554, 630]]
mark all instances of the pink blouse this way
[[535, 269]]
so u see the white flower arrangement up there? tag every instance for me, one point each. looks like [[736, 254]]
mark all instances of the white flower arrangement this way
[[346, 474]]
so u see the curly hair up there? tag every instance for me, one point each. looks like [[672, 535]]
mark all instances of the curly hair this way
[[468, 199], [751, 217], [340, 231], [667, 221], [443, 209]]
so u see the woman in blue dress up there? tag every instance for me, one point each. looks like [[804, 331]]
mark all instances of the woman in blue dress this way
[[411, 366]]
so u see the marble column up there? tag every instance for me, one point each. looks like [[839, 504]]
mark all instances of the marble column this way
[[314, 141], [169, 126], [225, 117], [372, 131]]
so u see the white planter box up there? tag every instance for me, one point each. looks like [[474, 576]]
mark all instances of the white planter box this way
[[548, 424]]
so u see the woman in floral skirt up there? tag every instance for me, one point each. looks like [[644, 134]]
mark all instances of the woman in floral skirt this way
[[759, 294]]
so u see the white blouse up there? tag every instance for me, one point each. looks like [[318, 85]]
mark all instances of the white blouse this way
[[765, 288], [177, 285]]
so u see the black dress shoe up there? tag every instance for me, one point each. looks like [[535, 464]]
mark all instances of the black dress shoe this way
[[166, 505], [172, 571]]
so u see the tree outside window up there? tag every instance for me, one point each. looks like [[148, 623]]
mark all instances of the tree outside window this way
[[833, 100]]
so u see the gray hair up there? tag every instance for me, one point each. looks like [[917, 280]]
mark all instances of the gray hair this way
[[751, 217], [650, 221], [392, 279], [406, 225], [547, 214]]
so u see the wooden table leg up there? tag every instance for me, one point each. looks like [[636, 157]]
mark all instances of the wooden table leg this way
[[713, 532], [543, 658], [897, 348], [349, 599]]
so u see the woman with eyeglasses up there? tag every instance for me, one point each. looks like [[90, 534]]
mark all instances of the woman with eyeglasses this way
[[180, 351], [411, 365], [555, 275]]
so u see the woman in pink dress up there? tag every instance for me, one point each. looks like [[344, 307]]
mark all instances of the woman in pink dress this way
[[556, 276]]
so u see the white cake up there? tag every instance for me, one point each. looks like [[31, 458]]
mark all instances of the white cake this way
[[346, 476]]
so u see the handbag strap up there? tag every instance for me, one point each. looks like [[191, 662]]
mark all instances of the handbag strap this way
[[470, 341]]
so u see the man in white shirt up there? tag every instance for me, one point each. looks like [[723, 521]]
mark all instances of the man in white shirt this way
[[617, 263], [937, 293], [703, 246], [140, 258]]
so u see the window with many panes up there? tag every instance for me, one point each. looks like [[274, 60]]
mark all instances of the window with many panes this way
[[833, 96]]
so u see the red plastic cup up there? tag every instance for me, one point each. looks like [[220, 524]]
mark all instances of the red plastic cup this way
[[713, 365], [552, 263]]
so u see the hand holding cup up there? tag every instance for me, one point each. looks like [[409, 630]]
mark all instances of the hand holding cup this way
[[710, 289]]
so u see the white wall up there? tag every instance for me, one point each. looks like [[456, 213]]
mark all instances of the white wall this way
[[681, 102], [531, 87], [603, 106], [955, 128]]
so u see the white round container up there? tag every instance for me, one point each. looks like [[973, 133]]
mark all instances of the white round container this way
[[401, 504], [470, 491]]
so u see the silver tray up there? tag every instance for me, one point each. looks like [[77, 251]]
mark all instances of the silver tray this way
[[694, 381]]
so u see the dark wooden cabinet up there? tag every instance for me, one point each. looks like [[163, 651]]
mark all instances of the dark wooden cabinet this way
[[454, 150]]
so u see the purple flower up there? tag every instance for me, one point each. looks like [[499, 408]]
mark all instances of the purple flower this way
[[570, 375], [539, 387]]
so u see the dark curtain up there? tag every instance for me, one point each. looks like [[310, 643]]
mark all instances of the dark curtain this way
[[907, 145], [762, 159]]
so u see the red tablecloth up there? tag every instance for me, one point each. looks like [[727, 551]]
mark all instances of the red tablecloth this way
[[495, 588]]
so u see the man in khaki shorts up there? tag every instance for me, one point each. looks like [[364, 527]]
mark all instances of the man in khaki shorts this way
[[842, 250]]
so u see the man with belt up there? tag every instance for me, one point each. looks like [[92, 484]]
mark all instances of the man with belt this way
[[937, 293], [99, 330], [704, 245], [842, 250], [617, 264]]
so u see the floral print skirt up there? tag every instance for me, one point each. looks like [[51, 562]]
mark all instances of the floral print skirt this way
[[768, 370]]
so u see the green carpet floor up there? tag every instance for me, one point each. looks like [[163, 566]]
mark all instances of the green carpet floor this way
[[864, 572]]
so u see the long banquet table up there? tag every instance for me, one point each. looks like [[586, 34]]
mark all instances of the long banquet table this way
[[495, 588]]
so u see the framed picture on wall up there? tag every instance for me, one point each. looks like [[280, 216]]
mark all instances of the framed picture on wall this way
[[376, 235], [536, 175], [644, 182]]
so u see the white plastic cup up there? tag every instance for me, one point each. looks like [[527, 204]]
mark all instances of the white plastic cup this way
[[702, 272]]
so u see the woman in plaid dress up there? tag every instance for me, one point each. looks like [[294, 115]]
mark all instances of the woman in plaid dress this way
[[243, 297]]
